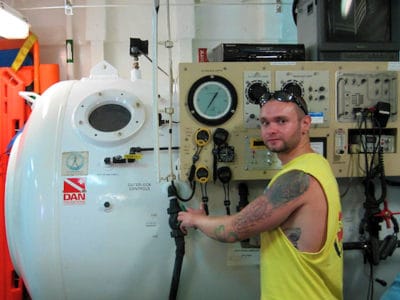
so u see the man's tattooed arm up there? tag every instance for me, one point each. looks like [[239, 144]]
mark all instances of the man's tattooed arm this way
[[266, 212], [223, 236], [287, 187]]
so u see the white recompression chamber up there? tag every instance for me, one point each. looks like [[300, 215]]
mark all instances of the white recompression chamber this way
[[86, 217]]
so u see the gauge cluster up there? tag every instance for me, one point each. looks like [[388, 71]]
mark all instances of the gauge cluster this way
[[225, 95]]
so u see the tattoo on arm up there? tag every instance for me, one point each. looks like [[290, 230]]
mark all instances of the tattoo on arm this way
[[244, 222], [293, 235], [251, 215], [287, 187], [223, 236]]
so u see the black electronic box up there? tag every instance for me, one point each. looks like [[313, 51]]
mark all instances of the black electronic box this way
[[257, 52]]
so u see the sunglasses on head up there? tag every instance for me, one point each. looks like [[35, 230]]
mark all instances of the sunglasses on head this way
[[284, 97]]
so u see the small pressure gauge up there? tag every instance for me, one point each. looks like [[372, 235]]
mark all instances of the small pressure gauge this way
[[212, 100], [75, 161], [254, 91]]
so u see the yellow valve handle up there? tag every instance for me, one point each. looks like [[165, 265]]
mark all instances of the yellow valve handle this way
[[136, 156]]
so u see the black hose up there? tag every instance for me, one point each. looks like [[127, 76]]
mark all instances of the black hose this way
[[381, 168], [179, 254], [178, 235]]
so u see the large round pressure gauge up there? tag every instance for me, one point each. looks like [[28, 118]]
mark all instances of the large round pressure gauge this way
[[212, 100]]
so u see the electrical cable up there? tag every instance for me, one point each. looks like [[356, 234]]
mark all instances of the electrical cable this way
[[370, 292], [202, 138], [227, 201], [374, 249], [150, 60], [225, 176], [191, 177], [364, 147], [381, 171], [204, 197], [195, 158], [193, 189], [376, 147]]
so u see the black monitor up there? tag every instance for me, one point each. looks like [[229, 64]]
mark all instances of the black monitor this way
[[351, 30]]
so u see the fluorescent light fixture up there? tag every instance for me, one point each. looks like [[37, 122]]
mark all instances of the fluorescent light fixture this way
[[13, 25]]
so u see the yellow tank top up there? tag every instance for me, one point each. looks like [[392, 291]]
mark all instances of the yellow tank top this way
[[287, 273]]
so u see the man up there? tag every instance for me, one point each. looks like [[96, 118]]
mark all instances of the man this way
[[298, 216]]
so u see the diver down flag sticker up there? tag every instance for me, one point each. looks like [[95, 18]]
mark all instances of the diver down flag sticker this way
[[74, 190]]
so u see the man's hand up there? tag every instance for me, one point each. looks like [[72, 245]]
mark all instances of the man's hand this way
[[188, 218]]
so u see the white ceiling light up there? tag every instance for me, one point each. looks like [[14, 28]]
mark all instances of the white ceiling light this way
[[13, 25]]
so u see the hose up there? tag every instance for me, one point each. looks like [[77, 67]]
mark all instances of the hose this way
[[177, 234]]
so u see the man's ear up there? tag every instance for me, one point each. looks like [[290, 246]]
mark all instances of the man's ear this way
[[306, 122]]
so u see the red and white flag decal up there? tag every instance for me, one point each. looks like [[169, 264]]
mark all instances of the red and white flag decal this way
[[75, 189]]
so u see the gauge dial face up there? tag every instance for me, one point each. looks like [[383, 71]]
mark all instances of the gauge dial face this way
[[226, 154], [255, 90], [212, 100], [75, 161]]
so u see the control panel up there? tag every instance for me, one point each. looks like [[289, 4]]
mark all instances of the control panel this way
[[357, 91], [353, 106], [313, 86]]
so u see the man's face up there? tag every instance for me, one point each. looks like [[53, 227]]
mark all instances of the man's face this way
[[281, 126]]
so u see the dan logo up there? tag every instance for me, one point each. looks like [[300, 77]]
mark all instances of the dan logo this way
[[74, 189]]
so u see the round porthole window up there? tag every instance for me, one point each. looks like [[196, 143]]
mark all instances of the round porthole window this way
[[109, 116]]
